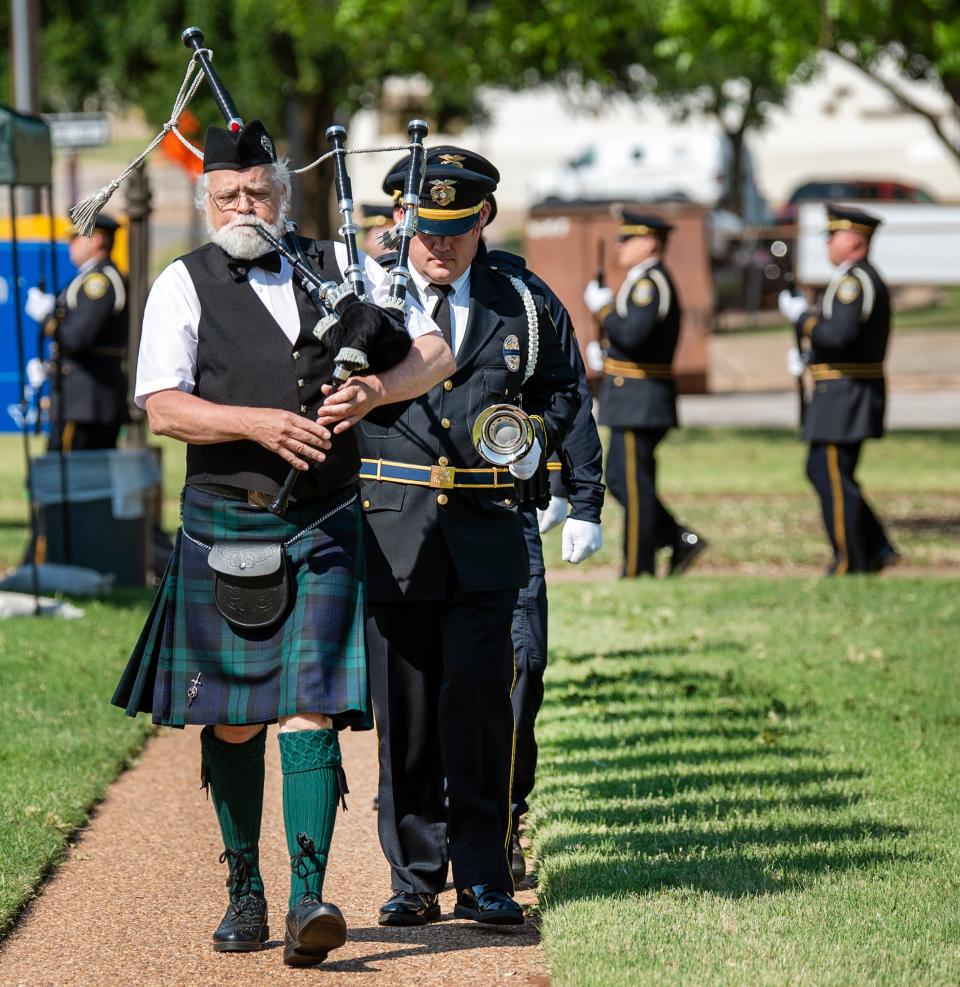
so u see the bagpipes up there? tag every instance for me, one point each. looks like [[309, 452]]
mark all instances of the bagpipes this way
[[364, 336]]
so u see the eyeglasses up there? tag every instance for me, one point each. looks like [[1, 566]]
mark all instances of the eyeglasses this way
[[230, 198]]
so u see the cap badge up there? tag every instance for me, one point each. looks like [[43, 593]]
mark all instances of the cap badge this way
[[442, 191], [453, 159], [511, 353], [267, 144]]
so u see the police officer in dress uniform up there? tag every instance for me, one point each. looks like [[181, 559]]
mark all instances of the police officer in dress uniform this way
[[89, 328], [446, 558], [260, 618], [638, 397], [374, 220], [579, 464], [847, 340]]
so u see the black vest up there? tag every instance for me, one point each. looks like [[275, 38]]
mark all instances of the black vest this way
[[244, 359]]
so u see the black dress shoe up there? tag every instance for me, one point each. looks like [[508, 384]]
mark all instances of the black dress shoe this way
[[244, 926], [409, 908], [313, 929], [483, 903], [518, 863], [883, 559], [685, 552]]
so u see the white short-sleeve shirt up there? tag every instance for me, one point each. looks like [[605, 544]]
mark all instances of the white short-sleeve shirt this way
[[168, 341]]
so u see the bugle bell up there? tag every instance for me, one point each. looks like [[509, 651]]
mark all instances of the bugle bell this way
[[503, 434]]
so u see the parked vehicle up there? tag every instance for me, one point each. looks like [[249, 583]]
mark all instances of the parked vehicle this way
[[848, 190]]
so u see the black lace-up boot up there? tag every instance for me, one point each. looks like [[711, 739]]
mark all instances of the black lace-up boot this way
[[313, 926], [244, 925]]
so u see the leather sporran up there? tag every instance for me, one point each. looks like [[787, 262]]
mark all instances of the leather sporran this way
[[251, 586]]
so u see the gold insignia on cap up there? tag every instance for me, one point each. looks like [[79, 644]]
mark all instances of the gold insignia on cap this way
[[848, 290], [642, 293], [442, 191], [452, 159], [95, 285]]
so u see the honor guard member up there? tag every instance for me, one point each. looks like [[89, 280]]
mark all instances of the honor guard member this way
[[260, 618], [638, 395], [847, 340], [580, 462], [89, 327], [446, 558], [374, 220]]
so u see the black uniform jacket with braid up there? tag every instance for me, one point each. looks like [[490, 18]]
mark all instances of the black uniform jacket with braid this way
[[580, 455], [418, 537], [848, 344], [641, 333], [92, 336]]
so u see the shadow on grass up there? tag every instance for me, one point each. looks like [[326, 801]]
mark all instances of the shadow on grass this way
[[692, 784]]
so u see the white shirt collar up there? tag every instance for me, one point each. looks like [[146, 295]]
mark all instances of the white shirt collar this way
[[461, 287]]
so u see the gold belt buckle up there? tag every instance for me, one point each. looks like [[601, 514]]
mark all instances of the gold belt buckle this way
[[441, 477]]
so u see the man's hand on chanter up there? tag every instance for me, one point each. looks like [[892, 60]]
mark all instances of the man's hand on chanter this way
[[345, 407], [298, 440]]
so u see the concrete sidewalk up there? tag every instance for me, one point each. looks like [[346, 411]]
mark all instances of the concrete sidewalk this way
[[779, 409]]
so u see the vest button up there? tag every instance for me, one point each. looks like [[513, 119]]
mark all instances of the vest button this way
[[300, 382], [366, 503], [445, 422], [442, 499], [443, 461], [303, 409], [507, 502], [296, 354], [448, 385]]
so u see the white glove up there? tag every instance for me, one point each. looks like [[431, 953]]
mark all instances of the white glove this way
[[36, 373], [596, 298], [795, 364], [791, 306], [39, 304], [524, 468], [580, 540], [594, 355], [555, 512]]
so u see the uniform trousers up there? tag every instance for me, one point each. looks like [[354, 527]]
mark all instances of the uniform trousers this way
[[857, 537], [441, 675], [632, 479], [530, 649]]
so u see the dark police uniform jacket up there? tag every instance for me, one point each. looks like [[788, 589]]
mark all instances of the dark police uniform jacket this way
[[244, 358], [641, 333], [580, 454], [848, 343], [415, 534], [92, 336]]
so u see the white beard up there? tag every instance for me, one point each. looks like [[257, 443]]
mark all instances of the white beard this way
[[240, 240]]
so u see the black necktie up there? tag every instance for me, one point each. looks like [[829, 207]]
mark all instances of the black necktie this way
[[441, 314], [270, 261]]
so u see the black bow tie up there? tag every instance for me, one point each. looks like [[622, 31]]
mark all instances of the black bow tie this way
[[269, 261]]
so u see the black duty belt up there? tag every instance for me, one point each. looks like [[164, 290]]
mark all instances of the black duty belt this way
[[637, 371], [853, 371]]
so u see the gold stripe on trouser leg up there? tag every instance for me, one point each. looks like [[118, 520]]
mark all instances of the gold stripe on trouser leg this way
[[66, 436], [513, 758], [633, 502], [839, 530]]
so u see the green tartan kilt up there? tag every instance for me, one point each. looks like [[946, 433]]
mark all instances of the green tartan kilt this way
[[312, 661]]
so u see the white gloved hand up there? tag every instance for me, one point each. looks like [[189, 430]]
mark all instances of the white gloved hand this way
[[36, 373], [593, 353], [791, 306], [555, 512], [39, 304], [795, 364], [596, 298], [524, 468], [580, 539]]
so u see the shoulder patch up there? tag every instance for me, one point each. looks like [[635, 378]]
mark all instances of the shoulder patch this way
[[95, 285], [642, 294], [848, 290]]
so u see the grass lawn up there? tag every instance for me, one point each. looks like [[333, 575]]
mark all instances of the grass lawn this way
[[748, 781]]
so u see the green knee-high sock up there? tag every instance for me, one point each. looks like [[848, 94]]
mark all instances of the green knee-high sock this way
[[235, 773], [311, 770]]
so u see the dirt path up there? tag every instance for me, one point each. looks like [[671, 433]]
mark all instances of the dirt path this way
[[141, 891]]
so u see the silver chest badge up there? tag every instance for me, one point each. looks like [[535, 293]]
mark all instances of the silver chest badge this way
[[511, 353]]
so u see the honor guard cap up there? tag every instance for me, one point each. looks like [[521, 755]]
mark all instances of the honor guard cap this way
[[373, 217], [633, 223], [456, 184], [840, 218], [248, 147], [103, 222]]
